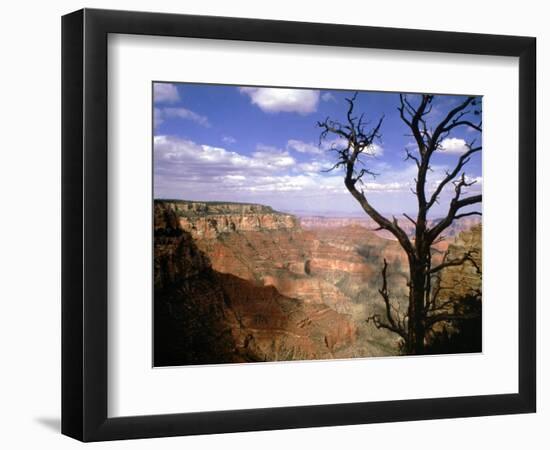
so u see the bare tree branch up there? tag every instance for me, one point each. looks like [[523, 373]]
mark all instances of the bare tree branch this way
[[455, 206], [462, 161], [392, 324], [443, 126], [468, 256], [447, 317], [410, 218], [471, 213], [409, 155], [359, 141]]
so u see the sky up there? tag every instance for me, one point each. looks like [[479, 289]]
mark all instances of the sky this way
[[261, 145]]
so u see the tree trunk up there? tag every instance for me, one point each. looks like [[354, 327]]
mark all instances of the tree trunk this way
[[416, 329]]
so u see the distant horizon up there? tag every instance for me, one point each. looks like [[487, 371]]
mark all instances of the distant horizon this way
[[300, 213]]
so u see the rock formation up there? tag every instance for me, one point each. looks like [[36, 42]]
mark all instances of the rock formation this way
[[460, 288], [206, 317], [210, 219], [464, 280]]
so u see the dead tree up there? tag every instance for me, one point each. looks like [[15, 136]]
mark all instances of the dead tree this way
[[354, 144]]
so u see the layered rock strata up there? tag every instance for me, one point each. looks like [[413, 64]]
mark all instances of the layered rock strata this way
[[203, 316]]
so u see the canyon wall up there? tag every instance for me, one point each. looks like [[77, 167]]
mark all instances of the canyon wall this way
[[464, 280], [203, 316], [210, 219]]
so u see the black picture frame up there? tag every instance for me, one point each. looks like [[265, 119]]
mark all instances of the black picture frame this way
[[84, 224]]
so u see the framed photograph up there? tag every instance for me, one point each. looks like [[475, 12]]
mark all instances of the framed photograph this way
[[273, 224]]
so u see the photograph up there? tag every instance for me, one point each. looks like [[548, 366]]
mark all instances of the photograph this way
[[297, 224], [275, 225]]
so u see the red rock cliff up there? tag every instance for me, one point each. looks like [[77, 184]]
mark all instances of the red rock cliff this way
[[206, 317]]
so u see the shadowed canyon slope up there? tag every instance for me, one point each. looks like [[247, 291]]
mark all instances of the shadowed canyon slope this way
[[241, 282]]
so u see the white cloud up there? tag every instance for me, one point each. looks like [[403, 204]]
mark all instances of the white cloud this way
[[314, 166], [376, 150], [453, 145], [318, 165], [184, 113], [234, 178], [273, 157], [273, 100], [165, 93], [337, 143], [180, 157], [283, 183], [477, 185], [168, 93], [304, 147], [327, 97], [185, 169], [476, 179], [229, 140], [385, 187]]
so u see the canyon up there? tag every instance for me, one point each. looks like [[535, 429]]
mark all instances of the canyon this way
[[204, 316], [239, 282]]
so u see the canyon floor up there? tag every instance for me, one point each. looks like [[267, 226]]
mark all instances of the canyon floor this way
[[244, 283]]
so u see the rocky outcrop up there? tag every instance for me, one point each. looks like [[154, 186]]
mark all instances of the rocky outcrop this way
[[212, 226], [464, 280], [459, 293], [210, 219], [203, 316], [197, 209], [174, 256]]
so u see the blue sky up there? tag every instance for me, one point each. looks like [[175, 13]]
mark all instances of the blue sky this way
[[261, 145]]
